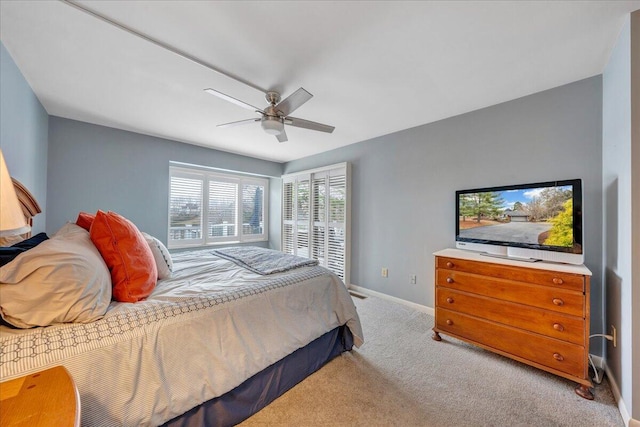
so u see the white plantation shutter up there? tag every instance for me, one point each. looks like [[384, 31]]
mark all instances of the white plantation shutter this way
[[287, 239], [185, 208], [211, 207], [316, 215], [337, 198], [303, 205], [287, 216], [319, 219], [302, 240], [223, 210], [337, 224]]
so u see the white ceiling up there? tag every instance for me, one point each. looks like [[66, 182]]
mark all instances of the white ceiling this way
[[373, 67]]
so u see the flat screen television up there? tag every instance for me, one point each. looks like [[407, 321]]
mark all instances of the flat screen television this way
[[532, 222]]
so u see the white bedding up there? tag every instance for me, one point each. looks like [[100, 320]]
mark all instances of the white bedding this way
[[201, 333]]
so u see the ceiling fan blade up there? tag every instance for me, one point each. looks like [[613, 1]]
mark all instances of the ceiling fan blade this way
[[307, 124], [293, 101], [238, 123], [233, 100], [282, 137]]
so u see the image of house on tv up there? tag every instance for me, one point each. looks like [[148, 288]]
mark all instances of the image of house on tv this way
[[542, 216]]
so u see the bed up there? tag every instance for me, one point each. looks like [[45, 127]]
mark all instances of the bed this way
[[211, 345]]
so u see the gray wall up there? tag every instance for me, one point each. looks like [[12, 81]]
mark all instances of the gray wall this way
[[621, 209], [94, 167], [635, 216], [23, 133], [616, 174], [404, 183]]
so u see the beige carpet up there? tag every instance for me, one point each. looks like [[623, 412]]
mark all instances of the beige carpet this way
[[401, 377]]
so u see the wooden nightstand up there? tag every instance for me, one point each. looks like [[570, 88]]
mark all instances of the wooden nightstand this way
[[45, 398]]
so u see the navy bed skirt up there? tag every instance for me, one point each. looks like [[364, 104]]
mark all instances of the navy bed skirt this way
[[264, 387]]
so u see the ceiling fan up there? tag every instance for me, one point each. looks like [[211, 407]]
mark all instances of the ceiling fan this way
[[276, 115]]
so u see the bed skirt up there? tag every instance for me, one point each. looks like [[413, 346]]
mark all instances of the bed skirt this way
[[263, 388]]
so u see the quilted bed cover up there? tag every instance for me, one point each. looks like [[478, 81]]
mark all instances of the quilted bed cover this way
[[201, 333]]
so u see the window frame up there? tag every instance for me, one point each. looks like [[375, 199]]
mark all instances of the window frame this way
[[205, 176]]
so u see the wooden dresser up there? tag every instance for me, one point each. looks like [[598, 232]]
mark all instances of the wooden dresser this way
[[536, 313]]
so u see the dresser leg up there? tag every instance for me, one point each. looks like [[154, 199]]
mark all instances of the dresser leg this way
[[584, 391], [436, 336]]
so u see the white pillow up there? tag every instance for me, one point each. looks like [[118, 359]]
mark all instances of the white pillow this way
[[161, 254], [68, 229], [63, 279]]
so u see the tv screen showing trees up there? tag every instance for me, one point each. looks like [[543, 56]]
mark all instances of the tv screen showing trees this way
[[531, 216]]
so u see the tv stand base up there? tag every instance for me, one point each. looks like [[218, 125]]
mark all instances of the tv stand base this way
[[510, 257]]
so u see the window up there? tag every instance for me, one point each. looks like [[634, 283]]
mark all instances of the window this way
[[315, 216], [208, 207]]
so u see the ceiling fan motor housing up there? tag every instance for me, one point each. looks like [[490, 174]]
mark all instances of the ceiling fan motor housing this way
[[272, 97]]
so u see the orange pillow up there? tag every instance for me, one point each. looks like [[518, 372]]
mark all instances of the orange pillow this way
[[85, 220], [127, 254]]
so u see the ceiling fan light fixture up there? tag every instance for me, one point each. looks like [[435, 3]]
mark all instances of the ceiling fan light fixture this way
[[272, 125]]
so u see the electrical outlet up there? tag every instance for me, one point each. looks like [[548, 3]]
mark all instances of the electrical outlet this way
[[414, 279], [384, 272], [614, 334]]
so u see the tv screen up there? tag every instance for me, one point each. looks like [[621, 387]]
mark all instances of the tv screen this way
[[544, 218]]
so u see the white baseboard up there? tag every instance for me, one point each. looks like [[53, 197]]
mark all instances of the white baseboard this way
[[628, 421], [369, 292]]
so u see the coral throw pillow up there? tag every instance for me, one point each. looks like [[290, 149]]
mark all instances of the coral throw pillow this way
[[127, 254], [85, 220]]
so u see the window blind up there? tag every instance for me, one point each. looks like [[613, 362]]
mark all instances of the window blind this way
[[223, 209], [185, 209]]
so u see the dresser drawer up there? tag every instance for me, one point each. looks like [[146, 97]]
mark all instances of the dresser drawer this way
[[545, 322], [540, 277], [547, 297], [559, 355]]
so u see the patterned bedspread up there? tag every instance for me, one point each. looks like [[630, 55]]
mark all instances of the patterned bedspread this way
[[200, 334], [263, 261]]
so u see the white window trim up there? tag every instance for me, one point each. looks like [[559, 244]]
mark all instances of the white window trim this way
[[207, 175]]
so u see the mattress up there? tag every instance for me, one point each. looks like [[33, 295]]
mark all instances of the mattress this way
[[200, 334]]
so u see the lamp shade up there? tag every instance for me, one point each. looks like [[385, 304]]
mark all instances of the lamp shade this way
[[12, 220], [272, 125]]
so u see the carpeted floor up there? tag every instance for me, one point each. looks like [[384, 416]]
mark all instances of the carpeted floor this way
[[401, 377]]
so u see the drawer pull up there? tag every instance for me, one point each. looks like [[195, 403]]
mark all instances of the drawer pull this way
[[558, 357], [449, 264], [449, 322], [558, 302], [558, 281], [449, 279], [558, 327], [450, 300]]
